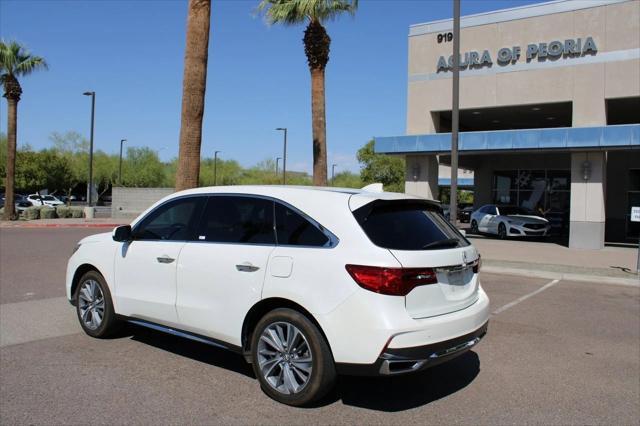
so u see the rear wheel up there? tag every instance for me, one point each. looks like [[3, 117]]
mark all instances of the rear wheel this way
[[291, 358], [94, 306], [474, 227], [502, 231]]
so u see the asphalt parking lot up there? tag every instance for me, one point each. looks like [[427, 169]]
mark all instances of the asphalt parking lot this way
[[556, 353]]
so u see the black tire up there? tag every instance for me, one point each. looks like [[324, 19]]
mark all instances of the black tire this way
[[109, 323], [502, 231], [474, 227], [323, 372]]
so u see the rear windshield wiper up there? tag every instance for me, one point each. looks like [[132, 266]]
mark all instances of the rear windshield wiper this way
[[449, 242]]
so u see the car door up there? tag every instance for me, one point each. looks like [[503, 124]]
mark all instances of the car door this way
[[220, 275], [485, 218], [145, 268], [494, 220]]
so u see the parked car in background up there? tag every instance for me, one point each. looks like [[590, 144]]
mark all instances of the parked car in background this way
[[380, 284], [464, 214], [20, 201], [509, 221], [44, 200]]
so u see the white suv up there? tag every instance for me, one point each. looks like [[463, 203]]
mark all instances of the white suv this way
[[306, 283]]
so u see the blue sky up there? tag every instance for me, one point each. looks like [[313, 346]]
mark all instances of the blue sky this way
[[130, 53]]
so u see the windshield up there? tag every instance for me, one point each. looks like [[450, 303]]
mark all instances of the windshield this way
[[48, 198], [407, 225], [513, 210]]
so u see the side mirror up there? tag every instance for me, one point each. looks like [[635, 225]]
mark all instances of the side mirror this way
[[122, 234]]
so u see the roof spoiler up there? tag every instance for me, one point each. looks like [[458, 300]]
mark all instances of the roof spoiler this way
[[374, 187]]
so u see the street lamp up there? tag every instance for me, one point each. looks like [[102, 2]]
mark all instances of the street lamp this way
[[333, 173], [93, 110], [215, 168], [284, 156], [120, 166], [277, 161]]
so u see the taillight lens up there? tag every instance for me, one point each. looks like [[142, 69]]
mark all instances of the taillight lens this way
[[391, 281], [477, 264]]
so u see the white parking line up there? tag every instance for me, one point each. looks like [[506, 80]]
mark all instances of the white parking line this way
[[525, 297]]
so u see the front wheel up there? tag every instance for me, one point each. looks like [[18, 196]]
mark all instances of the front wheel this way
[[94, 306], [291, 358], [502, 231]]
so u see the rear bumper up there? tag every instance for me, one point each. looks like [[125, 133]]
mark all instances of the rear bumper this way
[[393, 361]]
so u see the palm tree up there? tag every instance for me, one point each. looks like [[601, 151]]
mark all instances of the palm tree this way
[[193, 88], [316, 47], [15, 61]]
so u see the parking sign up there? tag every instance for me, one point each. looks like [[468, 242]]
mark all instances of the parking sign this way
[[635, 214]]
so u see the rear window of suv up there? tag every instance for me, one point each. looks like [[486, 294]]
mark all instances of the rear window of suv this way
[[408, 225]]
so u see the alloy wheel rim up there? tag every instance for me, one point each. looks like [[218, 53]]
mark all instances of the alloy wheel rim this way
[[91, 304], [284, 358]]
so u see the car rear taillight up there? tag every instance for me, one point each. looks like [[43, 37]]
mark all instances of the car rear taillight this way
[[391, 281], [477, 264]]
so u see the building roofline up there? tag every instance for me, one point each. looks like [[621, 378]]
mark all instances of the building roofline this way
[[510, 14]]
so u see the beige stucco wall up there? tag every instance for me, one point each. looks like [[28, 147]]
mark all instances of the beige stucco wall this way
[[614, 28]]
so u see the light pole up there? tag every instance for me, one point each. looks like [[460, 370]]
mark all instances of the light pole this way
[[215, 167], [277, 161], [333, 174], [453, 196], [93, 110], [284, 156], [120, 164]]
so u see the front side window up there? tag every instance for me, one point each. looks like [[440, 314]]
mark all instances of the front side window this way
[[173, 221], [295, 230], [237, 219], [407, 225]]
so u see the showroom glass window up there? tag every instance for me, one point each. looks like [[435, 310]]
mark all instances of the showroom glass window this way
[[295, 230], [545, 192], [237, 219], [633, 199], [172, 221]]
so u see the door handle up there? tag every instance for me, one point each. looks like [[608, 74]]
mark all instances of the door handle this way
[[165, 259], [247, 267]]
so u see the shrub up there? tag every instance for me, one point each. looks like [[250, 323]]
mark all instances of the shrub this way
[[63, 212], [32, 213], [47, 212], [77, 212]]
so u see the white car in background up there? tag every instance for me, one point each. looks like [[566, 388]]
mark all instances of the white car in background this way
[[508, 221], [306, 283], [44, 200]]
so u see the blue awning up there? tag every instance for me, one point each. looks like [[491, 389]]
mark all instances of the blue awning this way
[[461, 181], [565, 138]]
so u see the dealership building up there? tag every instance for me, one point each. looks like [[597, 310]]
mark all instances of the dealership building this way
[[549, 113]]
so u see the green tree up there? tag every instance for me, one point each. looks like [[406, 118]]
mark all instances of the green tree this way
[[347, 180], [386, 169], [142, 168], [42, 170], [316, 46], [15, 61], [74, 148]]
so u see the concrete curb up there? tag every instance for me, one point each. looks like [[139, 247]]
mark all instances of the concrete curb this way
[[60, 225], [629, 282]]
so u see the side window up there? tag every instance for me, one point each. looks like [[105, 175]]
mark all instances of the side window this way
[[293, 229], [173, 221], [236, 219], [493, 210]]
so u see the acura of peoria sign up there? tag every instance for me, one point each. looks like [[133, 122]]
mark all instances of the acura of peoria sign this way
[[510, 55]]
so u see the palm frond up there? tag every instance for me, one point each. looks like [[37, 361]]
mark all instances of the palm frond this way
[[16, 60], [292, 12]]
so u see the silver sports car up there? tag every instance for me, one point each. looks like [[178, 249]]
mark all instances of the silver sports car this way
[[509, 221]]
